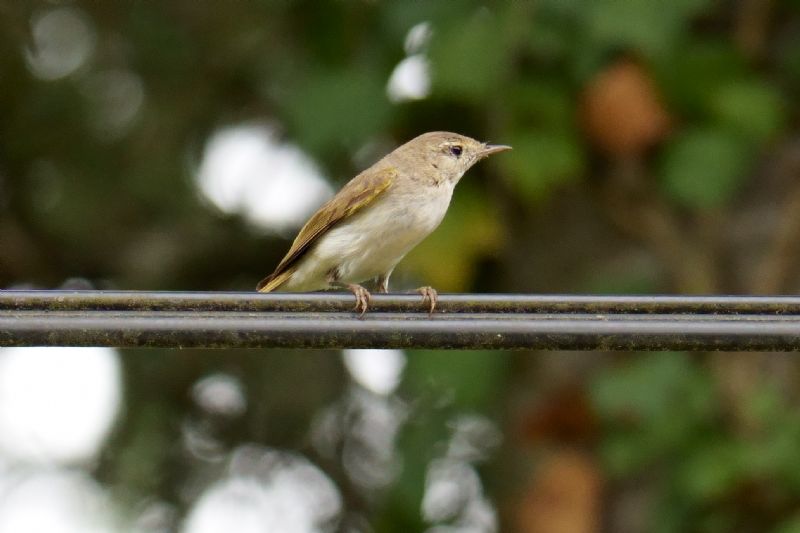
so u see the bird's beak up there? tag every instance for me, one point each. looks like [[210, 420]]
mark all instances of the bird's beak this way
[[489, 149]]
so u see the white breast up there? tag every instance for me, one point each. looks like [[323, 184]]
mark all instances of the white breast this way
[[373, 241]]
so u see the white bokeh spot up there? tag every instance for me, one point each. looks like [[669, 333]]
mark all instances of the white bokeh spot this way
[[220, 394], [418, 37], [410, 79], [378, 371], [268, 490], [246, 170], [116, 97], [57, 405], [63, 41], [53, 501]]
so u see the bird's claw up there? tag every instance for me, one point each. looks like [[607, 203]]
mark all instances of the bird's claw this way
[[362, 298], [430, 295]]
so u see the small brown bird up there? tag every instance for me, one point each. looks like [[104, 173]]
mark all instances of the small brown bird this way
[[378, 217]]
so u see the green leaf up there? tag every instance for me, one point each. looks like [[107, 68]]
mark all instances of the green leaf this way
[[465, 380], [469, 60], [400, 15], [545, 103], [332, 108], [751, 108], [656, 404], [627, 274], [650, 26], [542, 160], [694, 72], [552, 31], [703, 168], [650, 386], [792, 525], [710, 470]]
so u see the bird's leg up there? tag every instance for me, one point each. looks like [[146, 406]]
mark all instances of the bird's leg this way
[[362, 295], [383, 282], [429, 294]]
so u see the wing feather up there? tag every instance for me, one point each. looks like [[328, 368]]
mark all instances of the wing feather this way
[[356, 194]]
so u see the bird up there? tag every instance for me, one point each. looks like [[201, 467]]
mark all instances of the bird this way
[[376, 218]]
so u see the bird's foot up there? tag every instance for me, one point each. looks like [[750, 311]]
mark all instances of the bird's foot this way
[[429, 295], [362, 298]]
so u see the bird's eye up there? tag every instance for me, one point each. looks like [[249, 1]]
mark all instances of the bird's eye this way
[[456, 150]]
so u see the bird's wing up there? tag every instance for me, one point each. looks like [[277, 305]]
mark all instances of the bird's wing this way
[[357, 193]]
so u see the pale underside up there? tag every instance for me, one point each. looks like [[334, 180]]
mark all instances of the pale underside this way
[[372, 241]]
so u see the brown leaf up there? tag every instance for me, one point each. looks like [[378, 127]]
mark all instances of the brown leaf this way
[[566, 416], [564, 496], [622, 112]]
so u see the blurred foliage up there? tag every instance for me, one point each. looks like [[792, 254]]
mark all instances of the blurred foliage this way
[[644, 132], [445, 385], [665, 415], [721, 158]]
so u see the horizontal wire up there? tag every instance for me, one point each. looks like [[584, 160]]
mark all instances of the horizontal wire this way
[[342, 301], [463, 321]]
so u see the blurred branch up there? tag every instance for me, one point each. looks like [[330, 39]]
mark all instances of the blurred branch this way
[[752, 21], [776, 267], [21, 258], [639, 212], [14, 18]]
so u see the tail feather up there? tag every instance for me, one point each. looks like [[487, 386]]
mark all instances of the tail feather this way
[[274, 281]]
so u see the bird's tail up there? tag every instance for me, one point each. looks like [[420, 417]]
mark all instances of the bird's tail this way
[[274, 281]]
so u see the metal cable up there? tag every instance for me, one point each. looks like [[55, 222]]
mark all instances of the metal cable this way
[[466, 321]]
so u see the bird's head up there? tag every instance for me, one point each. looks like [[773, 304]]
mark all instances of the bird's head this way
[[447, 154]]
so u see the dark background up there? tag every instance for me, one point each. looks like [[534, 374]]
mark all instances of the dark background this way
[[656, 150]]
